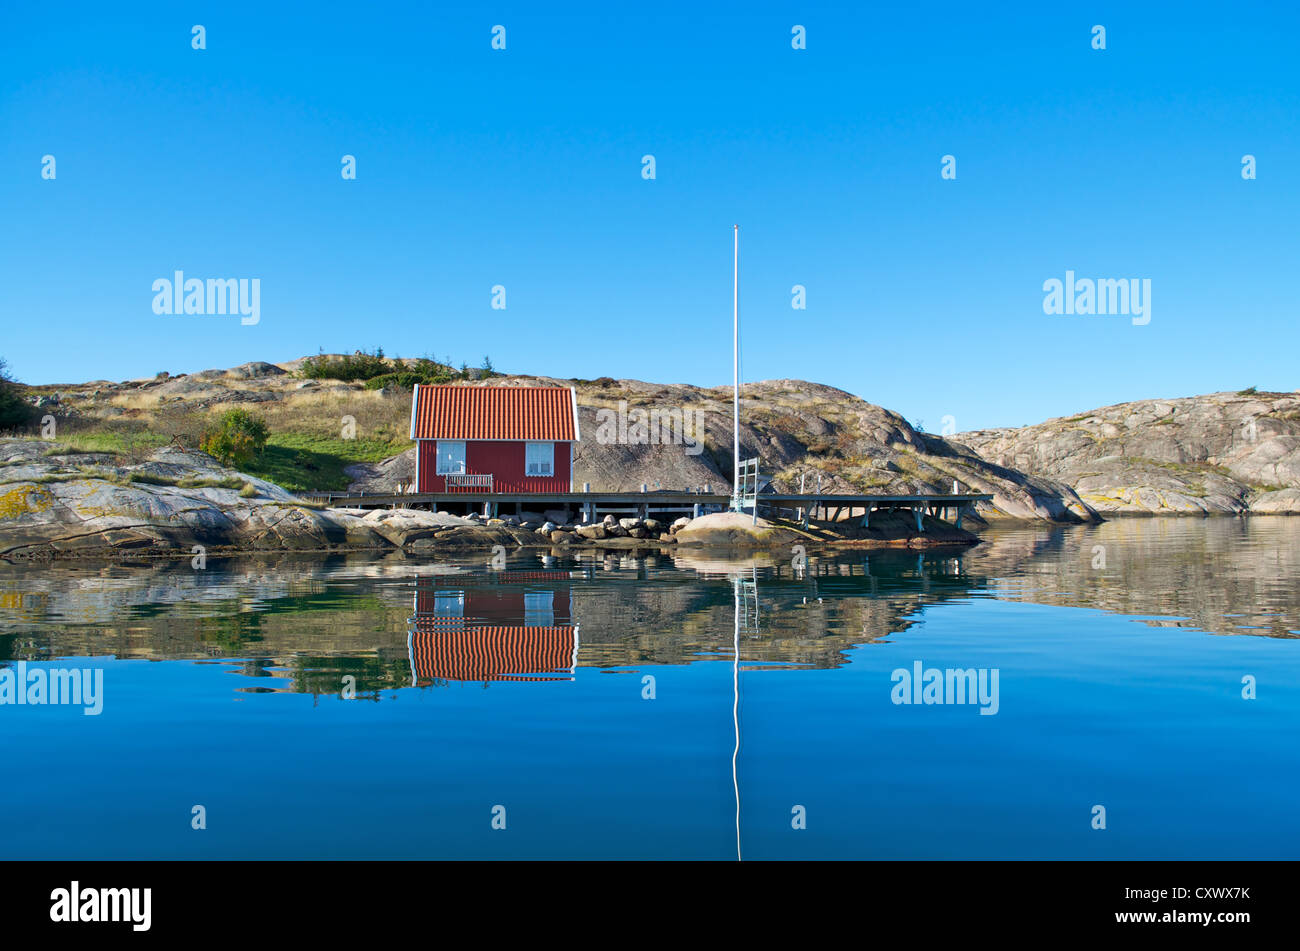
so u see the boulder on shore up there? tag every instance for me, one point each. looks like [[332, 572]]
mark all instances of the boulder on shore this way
[[888, 529]]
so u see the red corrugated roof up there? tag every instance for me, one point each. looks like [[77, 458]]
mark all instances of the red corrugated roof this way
[[444, 649], [494, 412]]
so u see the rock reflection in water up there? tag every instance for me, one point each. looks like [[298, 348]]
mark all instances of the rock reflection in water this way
[[393, 622]]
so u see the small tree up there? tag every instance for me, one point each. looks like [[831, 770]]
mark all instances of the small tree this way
[[236, 439], [14, 411]]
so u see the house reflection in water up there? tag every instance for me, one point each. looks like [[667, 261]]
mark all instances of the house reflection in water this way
[[515, 625]]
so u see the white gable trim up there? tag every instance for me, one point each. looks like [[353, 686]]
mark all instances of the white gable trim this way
[[573, 394], [415, 400]]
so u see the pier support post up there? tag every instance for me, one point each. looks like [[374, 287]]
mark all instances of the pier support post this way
[[866, 516], [961, 508], [919, 512]]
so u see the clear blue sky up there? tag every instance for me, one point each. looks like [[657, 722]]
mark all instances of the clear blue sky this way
[[523, 168]]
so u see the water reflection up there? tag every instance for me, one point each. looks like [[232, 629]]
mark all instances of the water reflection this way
[[746, 621], [528, 687], [1218, 575], [302, 624]]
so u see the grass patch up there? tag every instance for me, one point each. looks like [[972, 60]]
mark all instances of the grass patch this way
[[301, 462], [49, 478], [130, 478], [298, 461], [111, 441], [1183, 468], [146, 478]]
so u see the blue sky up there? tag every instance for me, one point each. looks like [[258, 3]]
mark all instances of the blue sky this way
[[522, 168]]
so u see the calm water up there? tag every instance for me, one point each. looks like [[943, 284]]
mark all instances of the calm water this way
[[597, 701]]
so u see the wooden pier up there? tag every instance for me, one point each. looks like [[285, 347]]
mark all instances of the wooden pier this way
[[593, 505]]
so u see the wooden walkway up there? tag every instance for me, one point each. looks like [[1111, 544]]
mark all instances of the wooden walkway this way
[[829, 507]]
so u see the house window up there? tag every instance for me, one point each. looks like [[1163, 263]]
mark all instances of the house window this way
[[449, 603], [539, 459], [451, 457], [539, 608]]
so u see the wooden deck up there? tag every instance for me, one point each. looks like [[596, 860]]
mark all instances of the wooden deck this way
[[591, 505]]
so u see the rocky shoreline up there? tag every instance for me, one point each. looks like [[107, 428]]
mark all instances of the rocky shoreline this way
[[1220, 454], [57, 505], [1217, 453]]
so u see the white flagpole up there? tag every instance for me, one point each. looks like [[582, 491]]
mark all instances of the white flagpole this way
[[735, 705], [735, 389]]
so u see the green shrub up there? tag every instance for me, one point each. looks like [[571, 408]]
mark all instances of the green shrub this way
[[14, 410], [404, 379], [424, 371], [377, 371], [358, 366], [236, 439]]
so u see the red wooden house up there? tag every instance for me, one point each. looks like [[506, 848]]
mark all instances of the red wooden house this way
[[494, 438]]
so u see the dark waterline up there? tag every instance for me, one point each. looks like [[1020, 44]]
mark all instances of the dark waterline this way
[[1120, 652]]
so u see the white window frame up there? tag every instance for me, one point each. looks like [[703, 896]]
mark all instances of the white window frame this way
[[451, 465], [533, 452]]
